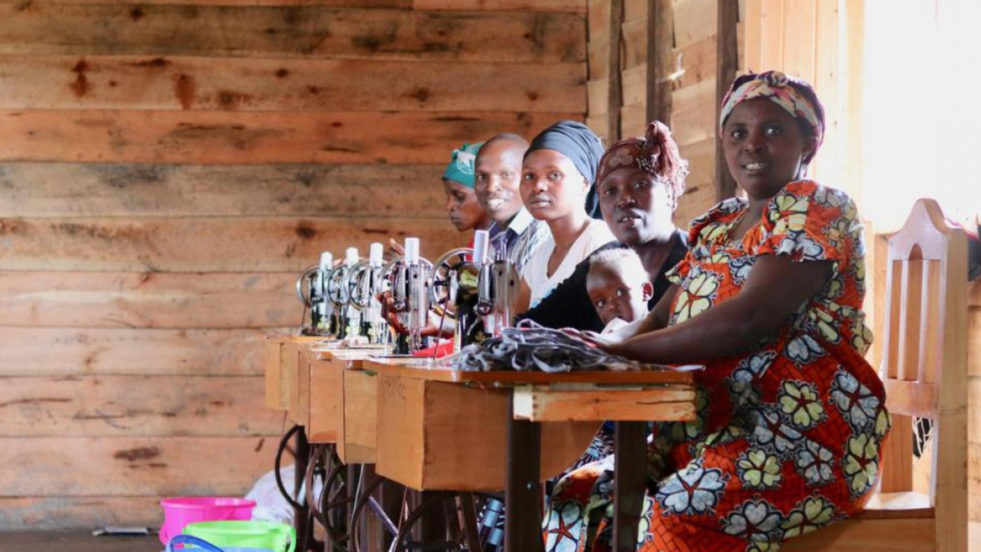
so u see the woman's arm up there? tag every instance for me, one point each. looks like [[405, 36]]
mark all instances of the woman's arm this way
[[776, 287]]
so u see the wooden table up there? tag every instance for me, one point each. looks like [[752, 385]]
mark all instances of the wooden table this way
[[445, 429]]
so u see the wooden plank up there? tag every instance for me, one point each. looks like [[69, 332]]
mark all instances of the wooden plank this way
[[693, 113], [799, 40], [615, 90], [116, 190], [435, 435], [422, 369], [693, 21], [360, 442], [974, 410], [634, 43], [148, 300], [79, 512], [272, 351], [251, 138], [254, 84], [205, 244], [331, 3], [667, 403], [699, 193], [753, 38], [867, 535], [911, 398], [771, 35], [659, 60], [98, 406], [598, 54], [128, 466], [974, 341], [727, 53], [303, 31], [126, 351], [574, 6], [974, 294]]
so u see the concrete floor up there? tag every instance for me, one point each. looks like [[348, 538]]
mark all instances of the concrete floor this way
[[74, 541]]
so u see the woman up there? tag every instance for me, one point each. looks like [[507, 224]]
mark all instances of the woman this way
[[639, 181], [790, 415], [462, 205], [557, 177]]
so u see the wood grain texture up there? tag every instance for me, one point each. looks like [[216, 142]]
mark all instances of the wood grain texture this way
[[125, 351], [575, 6], [254, 84], [204, 244], [121, 190], [148, 300], [79, 512], [693, 21], [105, 406], [253, 138], [128, 466], [302, 31], [330, 3]]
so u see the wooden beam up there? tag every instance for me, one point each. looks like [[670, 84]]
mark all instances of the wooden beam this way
[[660, 51], [615, 92], [727, 48]]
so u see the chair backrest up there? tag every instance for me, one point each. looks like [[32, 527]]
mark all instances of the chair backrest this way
[[924, 361]]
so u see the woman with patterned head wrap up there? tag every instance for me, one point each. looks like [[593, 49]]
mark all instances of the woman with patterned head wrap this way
[[557, 178], [462, 205], [790, 416], [638, 183]]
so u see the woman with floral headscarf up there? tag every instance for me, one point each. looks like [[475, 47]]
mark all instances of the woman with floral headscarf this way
[[790, 415]]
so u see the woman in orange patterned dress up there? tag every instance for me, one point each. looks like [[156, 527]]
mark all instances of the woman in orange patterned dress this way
[[790, 415]]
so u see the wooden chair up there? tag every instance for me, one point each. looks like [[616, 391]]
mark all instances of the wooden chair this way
[[924, 368]]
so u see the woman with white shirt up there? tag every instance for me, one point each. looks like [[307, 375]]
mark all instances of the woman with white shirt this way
[[557, 187]]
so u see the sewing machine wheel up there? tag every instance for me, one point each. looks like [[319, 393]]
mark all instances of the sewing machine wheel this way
[[445, 271], [357, 288], [303, 282], [337, 290]]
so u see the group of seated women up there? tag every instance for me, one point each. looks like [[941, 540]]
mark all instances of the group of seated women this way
[[764, 290]]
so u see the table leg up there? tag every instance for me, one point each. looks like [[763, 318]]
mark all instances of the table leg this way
[[523, 496], [301, 517], [629, 468]]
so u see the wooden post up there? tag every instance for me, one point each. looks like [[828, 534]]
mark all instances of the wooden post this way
[[614, 100], [630, 467], [727, 49], [660, 53], [522, 520]]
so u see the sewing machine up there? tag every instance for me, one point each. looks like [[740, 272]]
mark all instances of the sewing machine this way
[[455, 286], [364, 282], [310, 288], [497, 288], [410, 276]]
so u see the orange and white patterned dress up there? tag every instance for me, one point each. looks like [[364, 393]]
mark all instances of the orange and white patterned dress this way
[[787, 436]]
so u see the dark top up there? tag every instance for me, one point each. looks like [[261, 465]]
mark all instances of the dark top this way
[[568, 306]]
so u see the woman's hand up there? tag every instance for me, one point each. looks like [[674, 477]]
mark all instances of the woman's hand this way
[[606, 342]]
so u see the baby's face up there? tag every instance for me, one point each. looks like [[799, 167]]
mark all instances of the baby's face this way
[[613, 297]]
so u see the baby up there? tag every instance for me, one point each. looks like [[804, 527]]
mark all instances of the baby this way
[[618, 287]]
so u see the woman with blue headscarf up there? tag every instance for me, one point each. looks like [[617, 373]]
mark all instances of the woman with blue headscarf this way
[[557, 186], [462, 205]]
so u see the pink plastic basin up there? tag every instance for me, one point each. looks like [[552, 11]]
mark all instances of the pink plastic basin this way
[[180, 511]]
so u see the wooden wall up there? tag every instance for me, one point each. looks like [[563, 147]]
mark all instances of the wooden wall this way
[[974, 406], [693, 99], [165, 171]]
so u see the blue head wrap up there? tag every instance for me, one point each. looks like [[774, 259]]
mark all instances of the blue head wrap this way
[[461, 168]]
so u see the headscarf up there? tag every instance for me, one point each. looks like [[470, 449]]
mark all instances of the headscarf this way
[[581, 145], [793, 95], [461, 168], [655, 153]]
